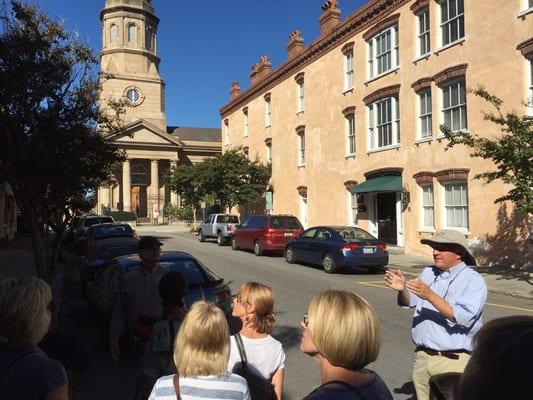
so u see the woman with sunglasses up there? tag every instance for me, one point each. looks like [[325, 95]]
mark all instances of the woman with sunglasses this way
[[26, 372], [254, 306], [341, 332]]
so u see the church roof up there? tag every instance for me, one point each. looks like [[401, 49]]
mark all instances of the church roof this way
[[196, 134]]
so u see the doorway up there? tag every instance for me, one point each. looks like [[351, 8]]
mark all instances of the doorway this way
[[386, 217], [139, 201]]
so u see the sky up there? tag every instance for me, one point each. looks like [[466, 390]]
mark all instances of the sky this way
[[204, 45]]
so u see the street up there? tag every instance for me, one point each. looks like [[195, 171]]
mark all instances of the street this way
[[293, 286]]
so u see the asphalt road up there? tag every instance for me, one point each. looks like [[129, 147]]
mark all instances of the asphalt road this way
[[293, 286]]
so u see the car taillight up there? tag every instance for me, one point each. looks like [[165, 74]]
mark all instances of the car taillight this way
[[269, 233], [223, 295], [382, 246], [350, 247]]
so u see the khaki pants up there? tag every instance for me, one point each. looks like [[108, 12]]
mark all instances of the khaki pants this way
[[427, 366]]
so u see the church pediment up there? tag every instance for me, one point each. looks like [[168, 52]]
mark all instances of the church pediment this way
[[142, 132]]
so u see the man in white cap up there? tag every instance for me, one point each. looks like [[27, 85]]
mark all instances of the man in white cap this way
[[448, 299]]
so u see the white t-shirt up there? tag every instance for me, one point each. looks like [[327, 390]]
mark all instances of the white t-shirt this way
[[264, 355]]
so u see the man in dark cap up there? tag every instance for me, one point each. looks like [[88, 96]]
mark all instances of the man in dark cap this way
[[137, 295], [448, 299]]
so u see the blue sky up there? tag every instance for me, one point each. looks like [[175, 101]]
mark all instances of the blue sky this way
[[204, 45]]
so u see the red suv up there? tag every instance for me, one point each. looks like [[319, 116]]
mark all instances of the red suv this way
[[266, 233]]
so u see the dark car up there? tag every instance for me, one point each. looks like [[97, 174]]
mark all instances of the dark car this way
[[262, 233], [106, 230], [101, 254], [203, 284], [337, 247], [83, 224]]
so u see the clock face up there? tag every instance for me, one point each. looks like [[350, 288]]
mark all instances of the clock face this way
[[133, 95]]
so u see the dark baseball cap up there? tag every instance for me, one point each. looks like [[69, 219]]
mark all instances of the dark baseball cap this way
[[149, 242]]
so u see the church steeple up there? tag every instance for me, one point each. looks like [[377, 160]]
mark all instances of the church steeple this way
[[129, 61]]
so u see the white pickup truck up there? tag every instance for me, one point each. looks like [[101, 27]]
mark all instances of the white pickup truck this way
[[220, 226]]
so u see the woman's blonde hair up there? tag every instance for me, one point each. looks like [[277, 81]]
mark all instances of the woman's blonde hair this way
[[202, 345], [260, 296], [344, 329], [23, 307]]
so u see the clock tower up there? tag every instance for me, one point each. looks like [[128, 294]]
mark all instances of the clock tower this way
[[129, 61]]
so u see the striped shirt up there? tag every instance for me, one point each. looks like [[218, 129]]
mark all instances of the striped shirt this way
[[226, 387]]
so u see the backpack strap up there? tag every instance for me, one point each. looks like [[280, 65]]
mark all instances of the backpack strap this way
[[242, 352]]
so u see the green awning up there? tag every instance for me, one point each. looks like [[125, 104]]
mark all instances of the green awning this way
[[379, 184]]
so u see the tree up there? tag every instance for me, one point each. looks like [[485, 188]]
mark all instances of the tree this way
[[51, 152], [511, 153]]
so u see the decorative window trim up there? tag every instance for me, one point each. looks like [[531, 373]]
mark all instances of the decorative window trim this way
[[419, 5], [267, 96], [422, 84], [381, 26], [268, 141], [347, 47], [450, 73], [526, 48], [388, 91], [423, 207], [452, 175], [302, 191], [141, 95], [423, 177], [300, 129], [299, 76], [349, 184], [388, 171], [348, 111]]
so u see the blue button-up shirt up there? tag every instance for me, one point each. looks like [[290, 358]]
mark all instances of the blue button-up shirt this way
[[466, 292]]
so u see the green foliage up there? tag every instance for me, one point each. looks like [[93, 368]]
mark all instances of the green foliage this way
[[185, 214], [121, 215], [230, 178], [51, 152], [511, 151]]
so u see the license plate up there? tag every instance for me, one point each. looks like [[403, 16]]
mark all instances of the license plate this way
[[288, 234], [368, 250]]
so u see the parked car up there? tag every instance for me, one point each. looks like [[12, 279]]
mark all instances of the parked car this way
[[220, 226], [203, 284], [85, 222], [101, 253], [69, 235], [109, 230], [337, 247], [262, 233]]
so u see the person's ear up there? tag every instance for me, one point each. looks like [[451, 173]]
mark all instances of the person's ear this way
[[250, 308]]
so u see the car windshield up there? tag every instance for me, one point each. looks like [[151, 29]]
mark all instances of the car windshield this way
[[110, 251], [285, 223], [97, 220], [189, 267], [350, 232], [101, 231], [228, 219]]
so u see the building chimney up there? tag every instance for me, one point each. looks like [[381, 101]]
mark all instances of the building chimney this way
[[330, 17], [254, 74], [295, 45], [235, 90], [265, 66]]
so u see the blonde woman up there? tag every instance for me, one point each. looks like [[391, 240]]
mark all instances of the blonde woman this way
[[341, 332], [201, 354], [254, 305], [26, 372]]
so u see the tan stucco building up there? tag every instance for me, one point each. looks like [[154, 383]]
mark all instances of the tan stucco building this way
[[351, 121], [130, 71]]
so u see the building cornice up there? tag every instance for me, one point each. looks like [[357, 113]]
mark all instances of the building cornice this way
[[423, 177], [422, 83], [452, 174], [357, 22], [380, 93], [419, 5], [381, 25], [128, 8], [388, 171], [450, 73], [123, 50]]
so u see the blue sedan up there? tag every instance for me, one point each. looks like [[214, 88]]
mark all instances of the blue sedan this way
[[337, 247]]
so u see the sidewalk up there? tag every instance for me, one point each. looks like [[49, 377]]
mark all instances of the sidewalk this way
[[17, 260]]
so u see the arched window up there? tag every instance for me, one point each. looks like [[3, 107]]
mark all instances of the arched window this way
[[113, 32], [138, 174], [132, 33]]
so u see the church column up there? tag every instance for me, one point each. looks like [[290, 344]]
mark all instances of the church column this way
[[173, 195], [154, 171], [126, 186]]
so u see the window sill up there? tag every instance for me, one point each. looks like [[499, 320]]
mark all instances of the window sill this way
[[420, 58], [345, 92], [301, 166], [426, 230], [424, 140], [394, 146], [349, 156], [522, 14], [449, 45], [394, 70]]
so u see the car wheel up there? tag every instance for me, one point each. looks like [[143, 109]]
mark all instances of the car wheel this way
[[201, 237], [258, 249], [234, 243], [220, 239], [289, 255], [328, 263]]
